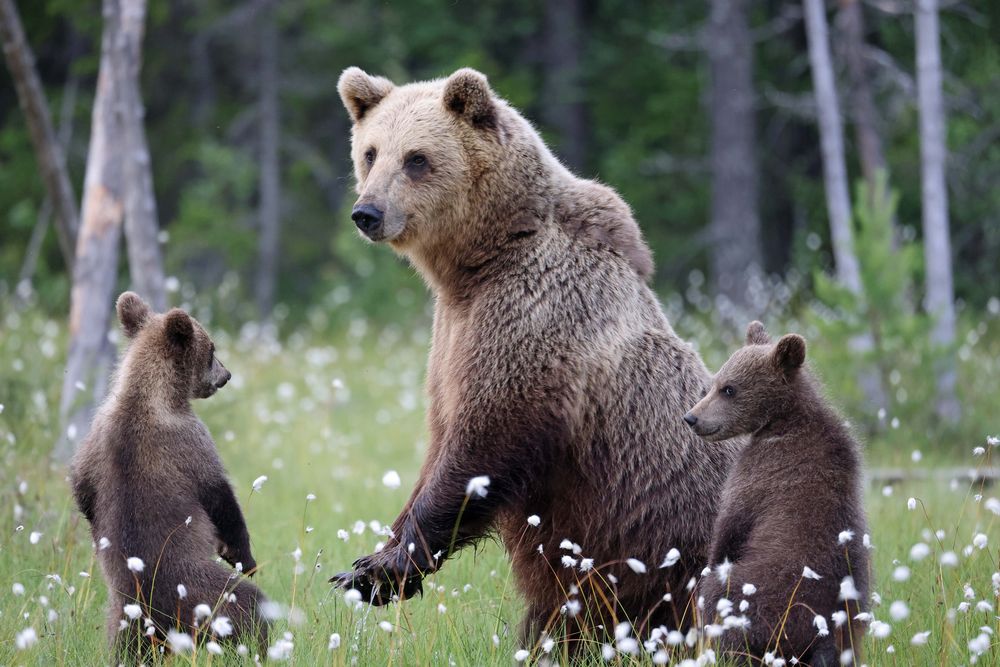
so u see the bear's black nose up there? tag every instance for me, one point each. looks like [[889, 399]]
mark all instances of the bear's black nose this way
[[690, 419], [367, 218], [225, 378]]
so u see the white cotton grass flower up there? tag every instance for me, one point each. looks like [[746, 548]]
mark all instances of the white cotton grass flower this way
[[899, 611], [352, 596], [608, 652], [723, 569], [920, 639], [809, 573], [334, 642], [548, 645], [258, 484], [179, 642], [744, 605], [880, 629], [103, 543], [213, 647], [521, 655], [391, 479], [671, 558], [980, 644], [534, 520], [17, 588], [949, 559], [901, 573], [984, 606], [25, 639], [980, 541], [838, 617], [978, 451], [35, 537], [822, 629], [385, 625], [281, 649], [724, 607], [586, 564], [135, 564], [919, 551], [845, 536], [911, 504], [222, 626], [636, 565], [847, 589], [866, 541], [202, 611], [477, 486], [749, 589], [133, 611], [442, 609], [847, 657], [182, 591], [568, 561], [993, 505]]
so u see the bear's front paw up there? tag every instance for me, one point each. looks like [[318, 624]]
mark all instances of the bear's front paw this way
[[381, 578]]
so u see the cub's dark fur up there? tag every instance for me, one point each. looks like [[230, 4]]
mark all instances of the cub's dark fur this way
[[151, 484], [793, 489]]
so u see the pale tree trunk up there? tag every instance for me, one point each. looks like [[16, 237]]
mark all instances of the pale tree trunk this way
[[937, 244], [141, 225], [41, 228], [269, 125], [735, 224], [838, 200], [48, 152], [90, 354], [564, 108], [864, 114]]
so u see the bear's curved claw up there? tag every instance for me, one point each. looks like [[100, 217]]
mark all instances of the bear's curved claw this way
[[379, 587]]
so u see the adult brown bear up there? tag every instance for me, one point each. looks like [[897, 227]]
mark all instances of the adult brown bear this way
[[552, 371]]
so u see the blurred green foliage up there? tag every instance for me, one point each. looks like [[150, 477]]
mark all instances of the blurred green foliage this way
[[645, 109]]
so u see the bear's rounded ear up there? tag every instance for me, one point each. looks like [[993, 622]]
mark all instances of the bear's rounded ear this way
[[467, 94], [360, 91], [790, 353], [178, 328], [757, 334], [133, 313]]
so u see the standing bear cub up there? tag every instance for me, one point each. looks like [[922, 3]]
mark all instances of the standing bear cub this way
[[149, 480], [793, 500]]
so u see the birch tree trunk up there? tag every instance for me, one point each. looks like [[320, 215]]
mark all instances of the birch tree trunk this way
[[735, 224], [141, 226], [838, 201], [48, 152], [565, 111], [269, 124], [117, 192], [937, 244]]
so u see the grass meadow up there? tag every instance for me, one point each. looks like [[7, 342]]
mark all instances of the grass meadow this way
[[327, 414]]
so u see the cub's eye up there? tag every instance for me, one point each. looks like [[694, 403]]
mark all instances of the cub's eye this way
[[728, 390], [417, 160], [370, 156]]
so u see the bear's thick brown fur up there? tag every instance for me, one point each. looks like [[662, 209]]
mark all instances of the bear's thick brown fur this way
[[552, 370], [793, 492], [149, 480]]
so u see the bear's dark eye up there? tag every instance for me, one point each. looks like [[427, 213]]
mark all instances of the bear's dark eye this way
[[729, 391], [370, 156], [416, 165]]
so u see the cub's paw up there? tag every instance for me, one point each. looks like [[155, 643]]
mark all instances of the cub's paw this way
[[381, 579]]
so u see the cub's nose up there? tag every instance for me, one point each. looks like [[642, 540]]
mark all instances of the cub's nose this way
[[690, 419], [367, 218], [225, 378]]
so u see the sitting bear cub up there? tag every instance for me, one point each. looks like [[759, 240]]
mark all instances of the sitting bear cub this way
[[149, 480], [789, 571]]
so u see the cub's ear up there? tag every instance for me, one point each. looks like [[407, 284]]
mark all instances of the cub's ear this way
[[790, 353], [133, 313], [757, 334], [467, 94], [178, 328], [360, 92]]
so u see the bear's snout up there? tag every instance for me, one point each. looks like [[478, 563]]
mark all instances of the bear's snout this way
[[223, 380], [368, 219], [690, 419]]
